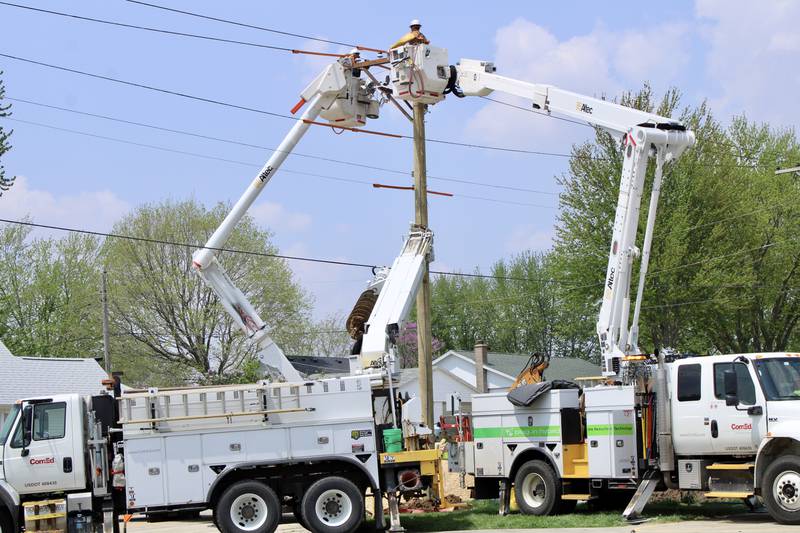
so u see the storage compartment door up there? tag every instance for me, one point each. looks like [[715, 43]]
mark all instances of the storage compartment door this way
[[144, 472], [184, 479]]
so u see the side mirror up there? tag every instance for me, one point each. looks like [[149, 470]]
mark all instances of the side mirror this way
[[731, 388]]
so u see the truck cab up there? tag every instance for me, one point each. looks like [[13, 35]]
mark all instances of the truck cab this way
[[715, 418], [736, 427], [54, 455], [43, 446]]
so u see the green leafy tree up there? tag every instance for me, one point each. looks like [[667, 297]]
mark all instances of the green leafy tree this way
[[723, 270], [49, 294], [169, 325], [519, 309], [5, 111]]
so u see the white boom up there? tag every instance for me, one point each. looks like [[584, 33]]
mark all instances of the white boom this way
[[643, 135], [337, 94], [396, 290]]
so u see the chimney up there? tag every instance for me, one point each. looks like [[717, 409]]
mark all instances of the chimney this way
[[481, 356]]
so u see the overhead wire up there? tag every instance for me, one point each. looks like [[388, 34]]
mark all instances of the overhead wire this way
[[148, 28], [241, 24], [289, 117], [293, 152], [254, 165], [195, 246]]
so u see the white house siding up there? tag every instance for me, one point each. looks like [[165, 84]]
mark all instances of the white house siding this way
[[465, 371], [444, 386]]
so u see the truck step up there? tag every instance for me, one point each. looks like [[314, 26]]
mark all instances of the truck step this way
[[727, 494], [576, 497], [731, 466]]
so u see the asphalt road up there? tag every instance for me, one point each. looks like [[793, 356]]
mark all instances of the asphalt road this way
[[746, 523]]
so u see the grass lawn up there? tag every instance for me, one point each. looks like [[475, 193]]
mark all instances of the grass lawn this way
[[483, 515]]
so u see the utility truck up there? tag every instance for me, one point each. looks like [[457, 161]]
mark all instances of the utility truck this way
[[315, 446], [727, 426], [723, 425]]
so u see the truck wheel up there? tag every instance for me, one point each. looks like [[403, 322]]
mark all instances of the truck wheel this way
[[537, 489], [297, 511], [781, 489], [248, 506], [6, 525], [333, 505]]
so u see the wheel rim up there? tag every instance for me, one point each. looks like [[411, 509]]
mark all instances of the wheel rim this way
[[249, 512], [787, 490], [334, 507], [534, 491]]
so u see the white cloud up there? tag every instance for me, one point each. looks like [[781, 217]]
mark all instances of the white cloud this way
[[277, 217], [600, 63], [528, 238], [753, 57], [95, 210]]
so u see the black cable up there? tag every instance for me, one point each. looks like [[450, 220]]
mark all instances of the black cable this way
[[185, 245], [242, 24], [294, 153], [147, 28], [149, 87], [229, 250], [255, 165], [280, 115]]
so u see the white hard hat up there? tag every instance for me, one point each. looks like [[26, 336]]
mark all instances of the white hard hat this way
[[415, 22]]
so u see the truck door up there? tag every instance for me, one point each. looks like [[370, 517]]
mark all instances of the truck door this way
[[739, 430], [691, 424], [40, 456]]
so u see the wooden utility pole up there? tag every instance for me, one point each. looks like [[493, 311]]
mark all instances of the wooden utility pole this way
[[424, 349], [104, 293]]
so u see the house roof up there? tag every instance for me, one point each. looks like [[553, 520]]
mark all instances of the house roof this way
[[27, 377], [511, 364]]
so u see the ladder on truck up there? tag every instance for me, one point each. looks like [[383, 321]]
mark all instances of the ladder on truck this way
[[182, 408]]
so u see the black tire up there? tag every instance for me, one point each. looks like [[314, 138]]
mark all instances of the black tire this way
[[537, 489], [298, 516], [246, 503], [333, 505], [6, 524], [781, 489]]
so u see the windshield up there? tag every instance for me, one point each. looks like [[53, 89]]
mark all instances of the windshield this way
[[780, 378], [8, 423]]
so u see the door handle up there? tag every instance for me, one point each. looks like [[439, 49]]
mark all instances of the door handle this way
[[714, 429], [67, 463]]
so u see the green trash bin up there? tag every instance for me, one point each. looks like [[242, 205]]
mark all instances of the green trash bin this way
[[393, 440]]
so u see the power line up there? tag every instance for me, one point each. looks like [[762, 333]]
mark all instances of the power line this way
[[241, 24], [270, 113], [148, 87], [254, 165], [195, 246], [293, 153], [281, 115], [148, 28]]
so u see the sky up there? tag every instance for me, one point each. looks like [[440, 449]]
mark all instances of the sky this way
[[740, 56]]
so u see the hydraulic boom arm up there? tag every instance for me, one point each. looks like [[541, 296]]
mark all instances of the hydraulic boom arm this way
[[338, 94], [643, 135], [390, 296]]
